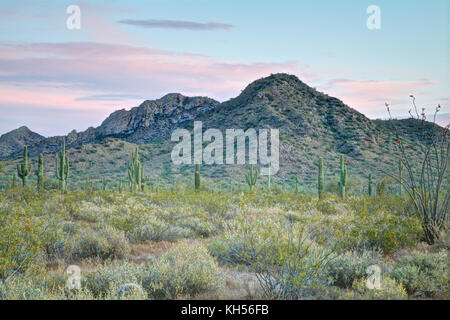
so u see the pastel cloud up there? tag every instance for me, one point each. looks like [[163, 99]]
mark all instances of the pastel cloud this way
[[95, 79], [176, 24], [90, 80], [369, 96]]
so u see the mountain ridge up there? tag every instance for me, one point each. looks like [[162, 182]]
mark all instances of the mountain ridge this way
[[312, 124]]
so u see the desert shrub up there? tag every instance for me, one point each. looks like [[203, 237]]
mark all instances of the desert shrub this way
[[375, 227], [108, 278], [424, 274], [21, 243], [105, 243], [390, 289], [184, 270], [156, 231], [351, 266], [287, 263], [199, 227]]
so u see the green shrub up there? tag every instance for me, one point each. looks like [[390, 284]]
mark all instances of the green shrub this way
[[184, 270], [287, 263], [105, 243], [351, 266], [107, 279], [390, 289], [373, 227], [424, 274]]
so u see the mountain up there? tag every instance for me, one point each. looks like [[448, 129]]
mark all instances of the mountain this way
[[154, 119], [17, 139], [311, 123]]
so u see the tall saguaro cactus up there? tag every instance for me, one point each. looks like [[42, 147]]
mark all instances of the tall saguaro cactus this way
[[252, 177], [14, 181], [296, 184], [197, 177], [320, 179], [343, 178], [24, 169], [370, 190], [62, 167], [135, 171], [40, 172], [400, 169]]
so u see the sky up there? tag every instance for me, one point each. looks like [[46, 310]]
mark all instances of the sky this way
[[54, 79]]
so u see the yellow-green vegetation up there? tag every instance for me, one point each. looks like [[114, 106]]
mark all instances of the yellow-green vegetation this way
[[295, 245]]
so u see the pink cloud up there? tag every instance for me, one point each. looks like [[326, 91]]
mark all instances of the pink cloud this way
[[58, 76], [369, 96]]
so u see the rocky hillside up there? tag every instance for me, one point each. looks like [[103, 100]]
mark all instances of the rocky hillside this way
[[312, 125], [15, 140]]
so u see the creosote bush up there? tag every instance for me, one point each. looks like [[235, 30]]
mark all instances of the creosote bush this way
[[346, 268], [185, 270], [105, 243], [424, 274]]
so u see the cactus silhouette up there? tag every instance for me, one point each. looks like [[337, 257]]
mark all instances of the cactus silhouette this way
[[343, 177], [135, 171], [40, 172], [62, 167], [252, 177], [400, 169], [197, 177], [320, 179], [14, 181], [24, 169], [369, 189]]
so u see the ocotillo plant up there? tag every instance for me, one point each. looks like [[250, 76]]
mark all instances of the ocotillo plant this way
[[400, 168], [135, 171], [369, 190], [24, 169], [40, 172], [252, 177], [320, 179], [343, 178], [197, 177], [62, 167]]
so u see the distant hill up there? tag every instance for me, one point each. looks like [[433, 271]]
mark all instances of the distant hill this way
[[312, 125], [16, 139]]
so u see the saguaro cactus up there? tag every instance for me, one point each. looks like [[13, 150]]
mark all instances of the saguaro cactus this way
[[369, 189], [197, 177], [135, 170], [400, 168], [268, 179], [343, 178], [252, 177], [62, 167], [24, 169], [120, 188], [296, 184], [14, 181], [320, 179], [40, 172]]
